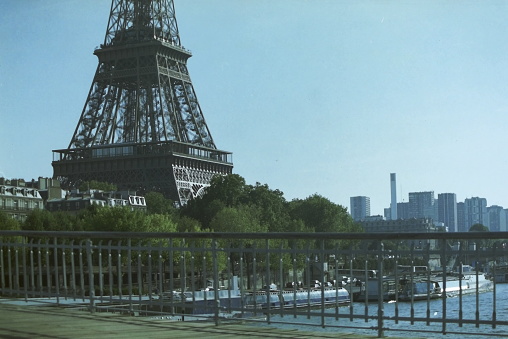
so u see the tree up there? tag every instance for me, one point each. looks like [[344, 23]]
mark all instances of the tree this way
[[8, 223], [481, 243], [321, 215], [98, 185], [157, 203], [271, 205], [479, 228]]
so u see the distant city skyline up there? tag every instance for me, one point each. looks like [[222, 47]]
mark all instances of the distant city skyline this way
[[456, 215]]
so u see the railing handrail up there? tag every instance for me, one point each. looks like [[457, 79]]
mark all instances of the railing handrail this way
[[264, 235]]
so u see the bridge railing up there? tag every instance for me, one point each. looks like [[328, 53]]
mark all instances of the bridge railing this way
[[366, 282]]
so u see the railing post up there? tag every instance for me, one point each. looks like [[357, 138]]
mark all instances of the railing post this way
[[91, 285], [380, 309], [216, 281]]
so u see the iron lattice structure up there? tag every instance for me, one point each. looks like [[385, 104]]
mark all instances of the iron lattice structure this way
[[142, 127]]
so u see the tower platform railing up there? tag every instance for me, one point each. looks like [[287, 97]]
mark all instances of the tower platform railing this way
[[146, 148]]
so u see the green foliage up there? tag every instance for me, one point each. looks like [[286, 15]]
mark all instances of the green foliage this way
[[239, 219], [43, 220], [9, 224], [157, 203], [98, 185], [478, 228]]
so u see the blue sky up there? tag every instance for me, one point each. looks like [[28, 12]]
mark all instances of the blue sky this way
[[311, 96]]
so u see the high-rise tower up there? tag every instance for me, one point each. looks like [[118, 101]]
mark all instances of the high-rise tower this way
[[393, 203], [142, 126]]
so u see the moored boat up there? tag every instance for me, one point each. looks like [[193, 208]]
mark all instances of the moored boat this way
[[450, 285], [297, 298]]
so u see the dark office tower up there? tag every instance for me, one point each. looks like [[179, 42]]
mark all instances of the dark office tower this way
[[461, 217], [496, 220], [447, 210], [403, 210], [360, 207], [475, 209], [142, 127], [421, 205]]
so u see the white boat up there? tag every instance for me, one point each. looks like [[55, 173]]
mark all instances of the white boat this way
[[451, 285]]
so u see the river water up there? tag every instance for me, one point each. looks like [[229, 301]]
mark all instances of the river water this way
[[402, 328]]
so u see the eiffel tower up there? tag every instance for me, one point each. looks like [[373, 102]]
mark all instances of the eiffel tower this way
[[142, 127]]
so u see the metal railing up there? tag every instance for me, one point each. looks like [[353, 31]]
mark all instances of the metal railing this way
[[364, 282]]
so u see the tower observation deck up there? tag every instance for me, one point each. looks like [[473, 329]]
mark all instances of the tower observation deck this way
[[142, 127]]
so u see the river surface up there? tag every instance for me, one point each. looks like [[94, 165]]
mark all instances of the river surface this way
[[419, 329]]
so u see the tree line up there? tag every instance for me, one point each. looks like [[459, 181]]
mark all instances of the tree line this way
[[229, 205]]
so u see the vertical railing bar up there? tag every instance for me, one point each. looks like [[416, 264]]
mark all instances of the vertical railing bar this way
[[242, 288], [204, 280], [336, 282], [308, 261], [149, 279], [16, 270], [380, 309], [183, 277], [39, 262], [140, 278], [73, 271], [48, 268], [229, 275], [445, 278], [23, 260], [397, 283], [81, 270], [281, 281], [64, 269], [160, 275], [430, 287], [461, 313], [216, 281], [254, 278], [129, 273], [25, 274], [366, 301], [322, 278], [119, 271], [295, 277], [193, 273], [111, 278], [268, 282], [91, 284], [9, 269], [411, 279], [494, 289], [351, 307], [101, 273], [191, 247], [171, 272], [477, 260], [57, 278], [32, 268], [2, 269]]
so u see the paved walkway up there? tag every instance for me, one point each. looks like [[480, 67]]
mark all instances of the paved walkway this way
[[24, 321]]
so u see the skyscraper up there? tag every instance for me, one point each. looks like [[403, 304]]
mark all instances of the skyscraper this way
[[360, 207], [496, 221], [421, 205], [447, 210], [393, 204], [475, 211]]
